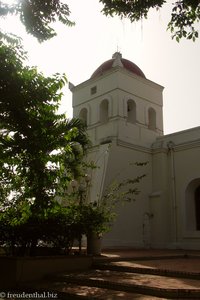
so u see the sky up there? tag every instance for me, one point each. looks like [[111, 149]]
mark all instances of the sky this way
[[77, 51]]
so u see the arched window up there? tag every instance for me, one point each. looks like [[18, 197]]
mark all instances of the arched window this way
[[83, 115], [104, 111], [131, 111], [192, 205], [197, 207], [152, 118]]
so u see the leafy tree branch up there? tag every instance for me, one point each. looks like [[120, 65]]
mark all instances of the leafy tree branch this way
[[40, 150], [38, 16], [184, 16]]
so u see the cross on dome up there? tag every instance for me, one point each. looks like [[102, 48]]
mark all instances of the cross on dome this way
[[117, 56]]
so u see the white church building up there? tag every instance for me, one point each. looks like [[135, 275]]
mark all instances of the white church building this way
[[123, 111]]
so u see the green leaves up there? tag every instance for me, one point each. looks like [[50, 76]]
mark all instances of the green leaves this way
[[38, 146], [184, 17], [40, 152], [38, 15], [132, 9], [96, 219]]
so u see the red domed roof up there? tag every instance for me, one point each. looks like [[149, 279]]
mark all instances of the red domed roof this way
[[117, 60]]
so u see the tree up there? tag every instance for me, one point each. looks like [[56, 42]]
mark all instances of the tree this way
[[40, 150], [185, 14], [38, 15], [40, 153]]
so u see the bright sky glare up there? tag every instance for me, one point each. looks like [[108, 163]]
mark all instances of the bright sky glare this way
[[79, 50]]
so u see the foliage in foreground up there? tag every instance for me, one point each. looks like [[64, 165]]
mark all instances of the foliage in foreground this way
[[99, 215], [40, 151], [38, 15], [23, 232], [185, 14]]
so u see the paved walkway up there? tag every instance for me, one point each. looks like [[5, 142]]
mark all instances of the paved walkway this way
[[88, 284], [129, 253]]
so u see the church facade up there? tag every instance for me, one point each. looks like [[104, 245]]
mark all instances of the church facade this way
[[123, 111]]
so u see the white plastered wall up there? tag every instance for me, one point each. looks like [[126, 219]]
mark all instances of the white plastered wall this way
[[128, 229], [180, 175], [117, 87]]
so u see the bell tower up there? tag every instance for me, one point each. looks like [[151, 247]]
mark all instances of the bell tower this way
[[123, 113], [118, 102]]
